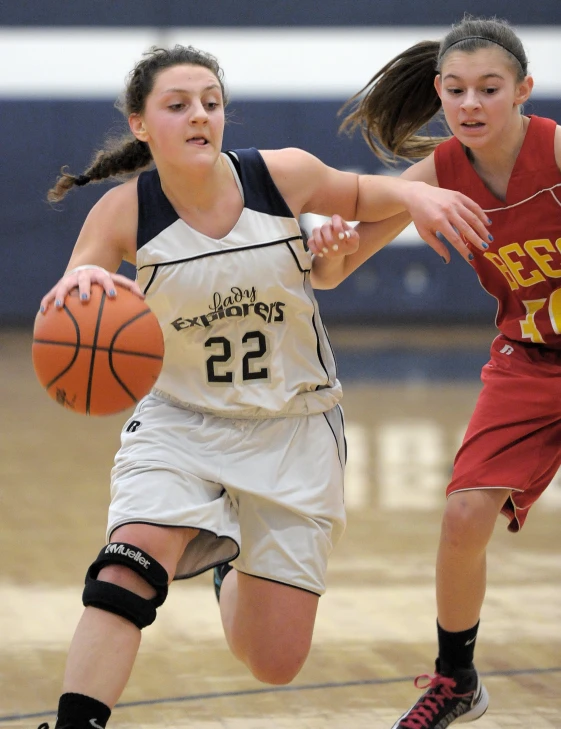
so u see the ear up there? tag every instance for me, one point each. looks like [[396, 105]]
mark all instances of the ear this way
[[438, 85], [523, 90], [136, 125]]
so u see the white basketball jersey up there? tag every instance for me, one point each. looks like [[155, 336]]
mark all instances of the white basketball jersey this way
[[243, 335]]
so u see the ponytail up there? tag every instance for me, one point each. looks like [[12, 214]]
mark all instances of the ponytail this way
[[399, 100]]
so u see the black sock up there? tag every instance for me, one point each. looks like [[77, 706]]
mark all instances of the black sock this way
[[76, 711], [455, 650]]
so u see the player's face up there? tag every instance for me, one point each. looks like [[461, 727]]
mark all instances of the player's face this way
[[183, 119], [480, 96]]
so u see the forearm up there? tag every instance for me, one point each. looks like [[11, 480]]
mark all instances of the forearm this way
[[95, 251], [382, 196], [327, 273]]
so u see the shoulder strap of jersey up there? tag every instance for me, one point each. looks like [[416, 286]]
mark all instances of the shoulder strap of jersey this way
[[260, 192], [155, 212]]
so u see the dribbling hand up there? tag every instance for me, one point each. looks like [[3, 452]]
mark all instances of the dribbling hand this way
[[82, 278]]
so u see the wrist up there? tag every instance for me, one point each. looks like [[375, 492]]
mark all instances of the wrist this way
[[410, 192], [86, 266]]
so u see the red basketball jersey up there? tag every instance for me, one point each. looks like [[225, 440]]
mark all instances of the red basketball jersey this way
[[522, 268]]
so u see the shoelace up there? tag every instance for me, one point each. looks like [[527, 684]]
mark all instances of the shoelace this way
[[439, 689]]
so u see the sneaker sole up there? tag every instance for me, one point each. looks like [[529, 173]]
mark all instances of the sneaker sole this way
[[478, 710]]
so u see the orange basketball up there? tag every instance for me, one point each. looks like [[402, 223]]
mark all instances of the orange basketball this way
[[100, 356]]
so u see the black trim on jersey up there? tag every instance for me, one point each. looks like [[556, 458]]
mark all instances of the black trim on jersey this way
[[236, 162], [259, 189], [156, 266], [318, 345], [331, 348], [302, 270], [152, 277], [339, 410], [155, 212], [320, 358]]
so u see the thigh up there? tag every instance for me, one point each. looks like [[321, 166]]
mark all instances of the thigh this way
[[166, 474], [287, 483], [274, 613], [269, 626], [512, 441], [163, 544]]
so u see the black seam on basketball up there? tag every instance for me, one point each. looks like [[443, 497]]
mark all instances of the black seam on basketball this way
[[76, 346], [124, 325], [94, 349], [99, 348]]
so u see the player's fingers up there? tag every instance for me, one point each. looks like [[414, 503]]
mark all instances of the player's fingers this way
[[315, 242], [329, 236], [436, 242], [63, 288], [482, 217], [439, 246], [47, 300], [338, 232], [129, 284], [84, 280], [472, 229], [452, 236], [349, 235]]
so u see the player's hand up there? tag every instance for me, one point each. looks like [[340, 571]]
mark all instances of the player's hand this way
[[454, 216], [334, 238], [82, 278]]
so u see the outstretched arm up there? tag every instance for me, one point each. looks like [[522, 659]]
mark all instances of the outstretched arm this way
[[308, 185], [335, 265]]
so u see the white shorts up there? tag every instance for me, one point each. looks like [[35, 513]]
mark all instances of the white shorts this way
[[267, 495]]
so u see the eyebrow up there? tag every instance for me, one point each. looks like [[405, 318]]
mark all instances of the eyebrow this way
[[485, 76], [177, 90]]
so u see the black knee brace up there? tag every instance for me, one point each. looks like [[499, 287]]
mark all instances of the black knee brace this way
[[115, 599]]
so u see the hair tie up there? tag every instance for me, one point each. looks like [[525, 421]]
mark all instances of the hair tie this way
[[82, 180]]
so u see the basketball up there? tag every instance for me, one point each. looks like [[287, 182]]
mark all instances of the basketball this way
[[100, 356]]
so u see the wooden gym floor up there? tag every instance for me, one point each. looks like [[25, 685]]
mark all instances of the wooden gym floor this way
[[376, 624]]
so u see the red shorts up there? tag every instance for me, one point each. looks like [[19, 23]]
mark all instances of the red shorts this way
[[513, 439]]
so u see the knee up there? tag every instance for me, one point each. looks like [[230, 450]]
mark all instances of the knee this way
[[275, 669], [467, 523], [124, 577], [133, 584]]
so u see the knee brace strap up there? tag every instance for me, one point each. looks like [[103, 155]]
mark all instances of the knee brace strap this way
[[116, 599]]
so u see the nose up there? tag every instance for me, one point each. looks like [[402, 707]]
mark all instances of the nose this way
[[199, 114], [470, 100]]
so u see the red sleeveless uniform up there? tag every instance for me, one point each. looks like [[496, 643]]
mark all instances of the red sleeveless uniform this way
[[514, 437]]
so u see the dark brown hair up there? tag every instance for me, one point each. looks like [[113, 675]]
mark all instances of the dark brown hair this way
[[400, 98], [126, 154]]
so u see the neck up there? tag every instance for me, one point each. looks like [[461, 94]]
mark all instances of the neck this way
[[501, 156], [195, 189]]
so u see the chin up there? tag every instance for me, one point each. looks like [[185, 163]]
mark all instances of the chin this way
[[473, 142]]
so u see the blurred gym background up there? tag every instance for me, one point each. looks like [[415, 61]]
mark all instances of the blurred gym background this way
[[410, 336]]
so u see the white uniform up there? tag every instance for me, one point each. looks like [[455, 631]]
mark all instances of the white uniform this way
[[242, 436]]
